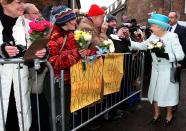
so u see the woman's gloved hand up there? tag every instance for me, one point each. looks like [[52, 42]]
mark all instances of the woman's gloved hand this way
[[162, 55]]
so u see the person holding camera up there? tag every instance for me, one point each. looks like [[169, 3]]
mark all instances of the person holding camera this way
[[121, 40]]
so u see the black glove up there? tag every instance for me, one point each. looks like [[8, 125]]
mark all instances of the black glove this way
[[162, 55]]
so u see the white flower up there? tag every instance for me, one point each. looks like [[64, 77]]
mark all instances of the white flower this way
[[88, 37], [156, 41], [81, 44], [77, 32], [105, 42], [150, 46], [159, 44], [110, 41], [111, 48]]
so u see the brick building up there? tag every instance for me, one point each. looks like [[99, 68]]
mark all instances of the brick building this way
[[139, 9]]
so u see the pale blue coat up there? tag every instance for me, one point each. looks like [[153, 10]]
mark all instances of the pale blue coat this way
[[161, 89]]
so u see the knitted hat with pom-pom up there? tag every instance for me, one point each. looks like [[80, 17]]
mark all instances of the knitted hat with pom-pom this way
[[63, 14]]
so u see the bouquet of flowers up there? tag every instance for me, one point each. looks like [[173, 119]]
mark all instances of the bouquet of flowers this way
[[106, 47], [156, 45], [39, 28], [83, 40], [39, 32]]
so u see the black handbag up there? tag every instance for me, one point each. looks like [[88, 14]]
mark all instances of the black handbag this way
[[173, 70], [173, 74]]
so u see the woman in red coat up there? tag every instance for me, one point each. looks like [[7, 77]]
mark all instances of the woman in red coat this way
[[63, 50], [63, 53]]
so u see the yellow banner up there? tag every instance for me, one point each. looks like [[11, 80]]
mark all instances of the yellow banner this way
[[86, 85], [112, 72]]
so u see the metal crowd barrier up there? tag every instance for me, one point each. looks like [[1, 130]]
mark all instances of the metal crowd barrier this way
[[131, 87], [19, 62]]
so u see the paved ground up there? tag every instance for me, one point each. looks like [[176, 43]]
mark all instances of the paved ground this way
[[140, 114], [138, 118]]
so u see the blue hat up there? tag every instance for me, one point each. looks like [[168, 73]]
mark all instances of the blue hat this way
[[63, 14], [110, 18], [160, 20]]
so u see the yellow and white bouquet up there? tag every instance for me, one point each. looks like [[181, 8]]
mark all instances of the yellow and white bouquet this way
[[83, 39]]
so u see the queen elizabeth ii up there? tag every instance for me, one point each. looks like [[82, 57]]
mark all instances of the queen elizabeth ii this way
[[162, 92]]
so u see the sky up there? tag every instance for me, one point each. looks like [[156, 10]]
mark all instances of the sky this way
[[85, 4]]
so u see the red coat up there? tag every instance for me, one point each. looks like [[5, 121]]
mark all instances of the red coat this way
[[69, 54]]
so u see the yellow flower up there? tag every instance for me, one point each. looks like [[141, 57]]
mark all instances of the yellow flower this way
[[83, 34], [77, 36]]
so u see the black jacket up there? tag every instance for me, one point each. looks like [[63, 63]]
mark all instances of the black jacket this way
[[181, 32], [121, 46]]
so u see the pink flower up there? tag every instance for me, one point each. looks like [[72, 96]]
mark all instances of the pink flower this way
[[46, 23], [30, 31], [37, 26]]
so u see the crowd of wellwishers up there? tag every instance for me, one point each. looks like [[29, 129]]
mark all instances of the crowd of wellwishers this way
[[62, 52]]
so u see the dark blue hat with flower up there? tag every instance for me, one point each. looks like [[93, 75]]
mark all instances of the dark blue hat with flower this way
[[160, 20], [62, 14]]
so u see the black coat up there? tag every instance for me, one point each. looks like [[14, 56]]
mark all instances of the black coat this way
[[181, 32], [121, 46]]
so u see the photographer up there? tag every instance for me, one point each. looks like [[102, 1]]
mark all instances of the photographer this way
[[135, 32], [119, 40]]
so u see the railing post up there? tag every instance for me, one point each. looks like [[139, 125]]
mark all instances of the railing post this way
[[2, 108], [20, 92], [37, 66], [142, 75], [53, 108], [62, 101]]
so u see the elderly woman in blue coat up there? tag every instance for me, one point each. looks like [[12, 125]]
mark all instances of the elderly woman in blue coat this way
[[162, 92]]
